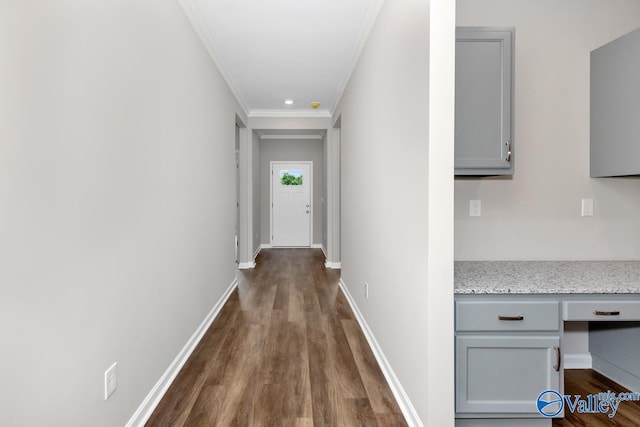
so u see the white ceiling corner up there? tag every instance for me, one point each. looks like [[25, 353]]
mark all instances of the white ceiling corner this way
[[273, 50], [200, 26]]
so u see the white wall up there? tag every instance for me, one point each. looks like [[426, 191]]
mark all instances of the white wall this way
[[117, 213], [325, 152], [258, 229], [332, 200], [246, 195], [291, 150], [397, 196], [536, 215]]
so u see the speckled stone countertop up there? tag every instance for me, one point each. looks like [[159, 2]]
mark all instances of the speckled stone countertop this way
[[547, 277]]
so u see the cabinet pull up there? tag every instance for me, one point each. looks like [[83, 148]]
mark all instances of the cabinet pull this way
[[606, 313], [501, 317], [558, 358], [508, 144]]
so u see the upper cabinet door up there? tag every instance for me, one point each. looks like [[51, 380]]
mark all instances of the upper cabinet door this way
[[615, 107], [484, 90]]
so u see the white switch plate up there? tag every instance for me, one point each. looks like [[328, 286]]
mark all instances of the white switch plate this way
[[587, 207], [475, 208], [110, 380]]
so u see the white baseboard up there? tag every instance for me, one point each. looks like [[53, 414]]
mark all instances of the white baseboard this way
[[312, 246], [324, 251], [257, 251], [616, 373], [327, 263], [149, 404], [409, 412], [577, 361], [247, 265]]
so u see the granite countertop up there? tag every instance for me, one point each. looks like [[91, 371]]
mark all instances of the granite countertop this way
[[547, 277]]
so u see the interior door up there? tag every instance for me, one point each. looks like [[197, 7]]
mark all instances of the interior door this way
[[291, 204]]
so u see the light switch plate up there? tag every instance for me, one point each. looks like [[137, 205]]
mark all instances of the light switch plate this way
[[475, 208], [587, 207]]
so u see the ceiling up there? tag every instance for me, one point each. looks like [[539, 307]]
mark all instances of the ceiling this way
[[272, 50]]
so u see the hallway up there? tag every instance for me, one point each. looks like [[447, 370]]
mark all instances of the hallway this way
[[285, 350]]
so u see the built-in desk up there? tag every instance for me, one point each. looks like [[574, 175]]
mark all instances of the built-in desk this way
[[509, 332]]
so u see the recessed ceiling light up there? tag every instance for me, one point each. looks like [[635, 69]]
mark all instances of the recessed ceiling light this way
[[288, 101]]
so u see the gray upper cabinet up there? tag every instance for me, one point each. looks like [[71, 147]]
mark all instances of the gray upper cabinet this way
[[615, 107], [484, 100]]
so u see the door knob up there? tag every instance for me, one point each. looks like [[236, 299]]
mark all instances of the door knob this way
[[307, 211]]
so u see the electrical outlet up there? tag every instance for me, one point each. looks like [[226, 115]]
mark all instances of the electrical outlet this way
[[475, 208], [110, 380], [366, 290], [587, 207]]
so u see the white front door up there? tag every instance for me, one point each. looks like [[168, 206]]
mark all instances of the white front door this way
[[291, 203]]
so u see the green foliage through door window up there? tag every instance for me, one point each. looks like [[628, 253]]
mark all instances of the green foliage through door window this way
[[293, 177]]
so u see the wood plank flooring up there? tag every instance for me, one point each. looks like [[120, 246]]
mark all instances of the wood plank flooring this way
[[285, 350], [587, 381]]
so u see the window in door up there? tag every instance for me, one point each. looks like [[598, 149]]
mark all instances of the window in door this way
[[291, 177]]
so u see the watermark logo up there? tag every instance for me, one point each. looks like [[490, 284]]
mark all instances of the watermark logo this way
[[550, 403]]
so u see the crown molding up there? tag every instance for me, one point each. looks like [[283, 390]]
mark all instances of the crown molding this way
[[296, 137], [289, 113], [365, 29], [194, 15]]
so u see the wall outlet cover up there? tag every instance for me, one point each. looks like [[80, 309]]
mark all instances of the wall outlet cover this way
[[110, 380]]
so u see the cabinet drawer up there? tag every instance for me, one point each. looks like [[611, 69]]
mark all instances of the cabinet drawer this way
[[507, 316], [613, 310]]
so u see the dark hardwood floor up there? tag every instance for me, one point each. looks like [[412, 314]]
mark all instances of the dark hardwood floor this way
[[285, 350], [587, 381]]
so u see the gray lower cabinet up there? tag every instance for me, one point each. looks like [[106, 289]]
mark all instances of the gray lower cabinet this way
[[483, 101], [505, 374], [507, 353]]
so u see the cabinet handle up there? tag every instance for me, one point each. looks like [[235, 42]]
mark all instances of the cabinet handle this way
[[501, 317], [606, 313], [558, 358], [508, 144]]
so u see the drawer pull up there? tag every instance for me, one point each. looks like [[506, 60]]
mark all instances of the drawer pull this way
[[606, 313], [558, 358], [501, 317]]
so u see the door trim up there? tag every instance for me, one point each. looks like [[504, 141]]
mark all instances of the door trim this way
[[310, 164]]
